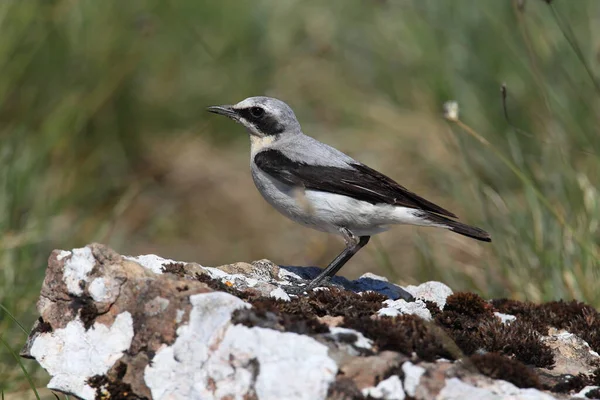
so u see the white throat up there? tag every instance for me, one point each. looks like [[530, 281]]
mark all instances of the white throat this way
[[258, 143]]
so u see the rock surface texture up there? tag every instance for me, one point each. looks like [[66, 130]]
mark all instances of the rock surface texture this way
[[119, 327]]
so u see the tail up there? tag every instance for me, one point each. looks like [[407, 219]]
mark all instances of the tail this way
[[458, 227]]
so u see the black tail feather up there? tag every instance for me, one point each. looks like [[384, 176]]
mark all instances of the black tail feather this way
[[460, 228]]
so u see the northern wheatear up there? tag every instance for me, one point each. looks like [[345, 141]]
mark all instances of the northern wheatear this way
[[322, 188]]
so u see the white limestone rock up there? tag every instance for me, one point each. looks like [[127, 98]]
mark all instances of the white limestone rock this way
[[398, 307], [388, 389], [432, 291], [213, 359], [73, 354]]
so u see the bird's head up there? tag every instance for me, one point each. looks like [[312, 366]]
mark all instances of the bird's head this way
[[263, 117]]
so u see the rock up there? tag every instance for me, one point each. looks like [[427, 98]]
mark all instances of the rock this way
[[146, 327], [398, 307], [572, 354], [455, 389], [364, 371], [436, 292], [412, 377], [588, 392], [365, 283], [235, 360], [65, 353], [381, 285], [261, 270], [505, 318], [389, 389], [350, 336]]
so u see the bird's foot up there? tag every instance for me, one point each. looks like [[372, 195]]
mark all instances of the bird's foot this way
[[296, 286], [295, 290], [306, 286]]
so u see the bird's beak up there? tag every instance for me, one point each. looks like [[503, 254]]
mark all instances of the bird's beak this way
[[226, 110]]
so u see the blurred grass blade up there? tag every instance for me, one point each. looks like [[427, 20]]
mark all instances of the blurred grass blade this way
[[572, 40], [14, 319], [591, 248], [18, 360]]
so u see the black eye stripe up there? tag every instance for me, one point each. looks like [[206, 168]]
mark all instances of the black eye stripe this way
[[246, 114], [265, 123], [269, 126]]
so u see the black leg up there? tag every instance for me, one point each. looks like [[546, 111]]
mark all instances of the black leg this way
[[353, 245]]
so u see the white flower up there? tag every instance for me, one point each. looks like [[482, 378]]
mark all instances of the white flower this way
[[451, 110]]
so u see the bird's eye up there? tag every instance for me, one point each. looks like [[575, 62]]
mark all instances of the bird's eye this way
[[257, 112]]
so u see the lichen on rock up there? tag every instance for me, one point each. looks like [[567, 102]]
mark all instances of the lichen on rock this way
[[146, 327]]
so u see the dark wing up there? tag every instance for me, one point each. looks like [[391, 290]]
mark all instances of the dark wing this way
[[357, 181]]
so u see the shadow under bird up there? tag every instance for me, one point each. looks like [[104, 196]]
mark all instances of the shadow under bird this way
[[320, 187]]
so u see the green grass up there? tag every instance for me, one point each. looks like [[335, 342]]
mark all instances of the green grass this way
[[89, 90]]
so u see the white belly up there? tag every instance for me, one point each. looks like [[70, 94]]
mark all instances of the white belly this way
[[328, 212]]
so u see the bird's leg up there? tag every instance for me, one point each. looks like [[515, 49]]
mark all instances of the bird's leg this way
[[353, 245]]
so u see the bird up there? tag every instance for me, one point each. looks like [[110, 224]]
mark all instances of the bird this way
[[320, 187]]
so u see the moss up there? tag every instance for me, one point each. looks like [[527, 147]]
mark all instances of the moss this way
[[405, 334], [433, 308], [593, 394], [574, 317], [299, 314], [174, 268], [524, 343], [577, 382], [571, 384], [497, 366], [256, 318], [519, 340], [344, 388], [299, 307], [86, 308], [334, 301], [41, 327], [467, 319], [219, 286], [595, 377], [512, 307], [468, 304], [349, 338], [344, 303], [108, 387], [121, 370], [273, 319], [470, 322], [394, 370]]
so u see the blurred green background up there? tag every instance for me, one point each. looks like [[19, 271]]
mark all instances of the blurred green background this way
[[104, 136]]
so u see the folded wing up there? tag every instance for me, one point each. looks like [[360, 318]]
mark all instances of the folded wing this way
[[357, 181]]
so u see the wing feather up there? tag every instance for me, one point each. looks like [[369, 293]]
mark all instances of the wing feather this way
[[357, 181]]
